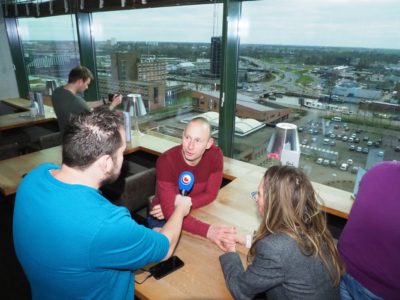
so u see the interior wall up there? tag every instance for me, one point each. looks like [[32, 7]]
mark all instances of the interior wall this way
[[8, 82]]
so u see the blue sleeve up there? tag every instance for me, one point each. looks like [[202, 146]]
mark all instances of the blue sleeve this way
[[123, 244]]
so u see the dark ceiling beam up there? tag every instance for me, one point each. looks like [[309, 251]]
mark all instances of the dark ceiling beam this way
[[57, 7]]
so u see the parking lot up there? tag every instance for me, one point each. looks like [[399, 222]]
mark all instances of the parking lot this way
[[334, 151]]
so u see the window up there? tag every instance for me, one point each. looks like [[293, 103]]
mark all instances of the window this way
[[165, 55], [311, 62], [50, 50]]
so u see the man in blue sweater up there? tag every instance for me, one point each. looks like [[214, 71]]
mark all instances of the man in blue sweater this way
[[71, 241]]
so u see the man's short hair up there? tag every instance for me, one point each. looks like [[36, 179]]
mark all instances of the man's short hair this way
[[201, 120], [78, 73], [91, 135]]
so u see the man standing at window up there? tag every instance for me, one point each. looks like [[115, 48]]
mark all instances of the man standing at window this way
[[67, 102], [71, 241]]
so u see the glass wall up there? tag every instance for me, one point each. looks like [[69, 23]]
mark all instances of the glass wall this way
[[168, 55], [50, 50], [330, 67]]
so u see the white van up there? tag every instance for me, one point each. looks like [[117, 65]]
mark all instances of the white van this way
[[337, 119]]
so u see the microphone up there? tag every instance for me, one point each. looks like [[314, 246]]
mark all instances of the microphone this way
[[185, 183]]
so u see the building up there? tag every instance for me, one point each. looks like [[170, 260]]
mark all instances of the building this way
[[347, 88], [133, 66], [215, 59], [246, 107], [153, 93]]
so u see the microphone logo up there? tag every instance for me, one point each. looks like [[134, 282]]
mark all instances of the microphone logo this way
[[186, 180]]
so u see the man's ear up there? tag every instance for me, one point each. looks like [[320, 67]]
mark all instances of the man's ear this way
[[105, 164], [210, 143]]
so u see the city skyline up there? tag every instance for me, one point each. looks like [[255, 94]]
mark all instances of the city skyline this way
[[331, 23]]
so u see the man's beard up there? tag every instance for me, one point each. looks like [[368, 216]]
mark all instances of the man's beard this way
[[111, 178]]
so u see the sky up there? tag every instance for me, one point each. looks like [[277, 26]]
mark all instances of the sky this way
[[340, 23]]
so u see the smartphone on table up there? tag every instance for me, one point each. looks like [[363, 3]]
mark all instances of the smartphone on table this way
[[166, 267]]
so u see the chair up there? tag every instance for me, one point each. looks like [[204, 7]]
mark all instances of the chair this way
[[50, 140], [9, 150], [45, 141], [132, 189]]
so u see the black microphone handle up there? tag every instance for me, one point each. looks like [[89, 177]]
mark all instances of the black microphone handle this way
[[183, 192]]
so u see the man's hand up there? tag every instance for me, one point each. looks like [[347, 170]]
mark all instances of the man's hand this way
[[156, 212], [117, 99], [184, 203], [223, 236]]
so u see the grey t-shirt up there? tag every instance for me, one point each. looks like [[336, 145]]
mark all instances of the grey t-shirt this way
[[65, 104]]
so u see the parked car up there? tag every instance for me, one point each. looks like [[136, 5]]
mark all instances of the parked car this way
[[365, 138], [380, 153], [356, 140], [350, 161], [397, 149], [333, 163], [344, 167], [319, 161], [354, 169], [359, 149], [332, 143], [326, 162], [352, 148], [365, 150], [369, 143], [345, 138]]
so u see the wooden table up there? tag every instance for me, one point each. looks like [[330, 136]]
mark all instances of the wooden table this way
[[23, 119]]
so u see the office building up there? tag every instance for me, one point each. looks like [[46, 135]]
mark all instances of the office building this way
[[215, 59]]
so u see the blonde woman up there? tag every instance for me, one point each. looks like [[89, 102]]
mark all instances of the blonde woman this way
[[293, 255]]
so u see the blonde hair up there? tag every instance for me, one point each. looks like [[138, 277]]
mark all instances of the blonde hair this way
[[291, 207]]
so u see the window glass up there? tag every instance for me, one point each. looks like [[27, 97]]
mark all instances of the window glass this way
[[169, 56], [330, 67], [50, 50]]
